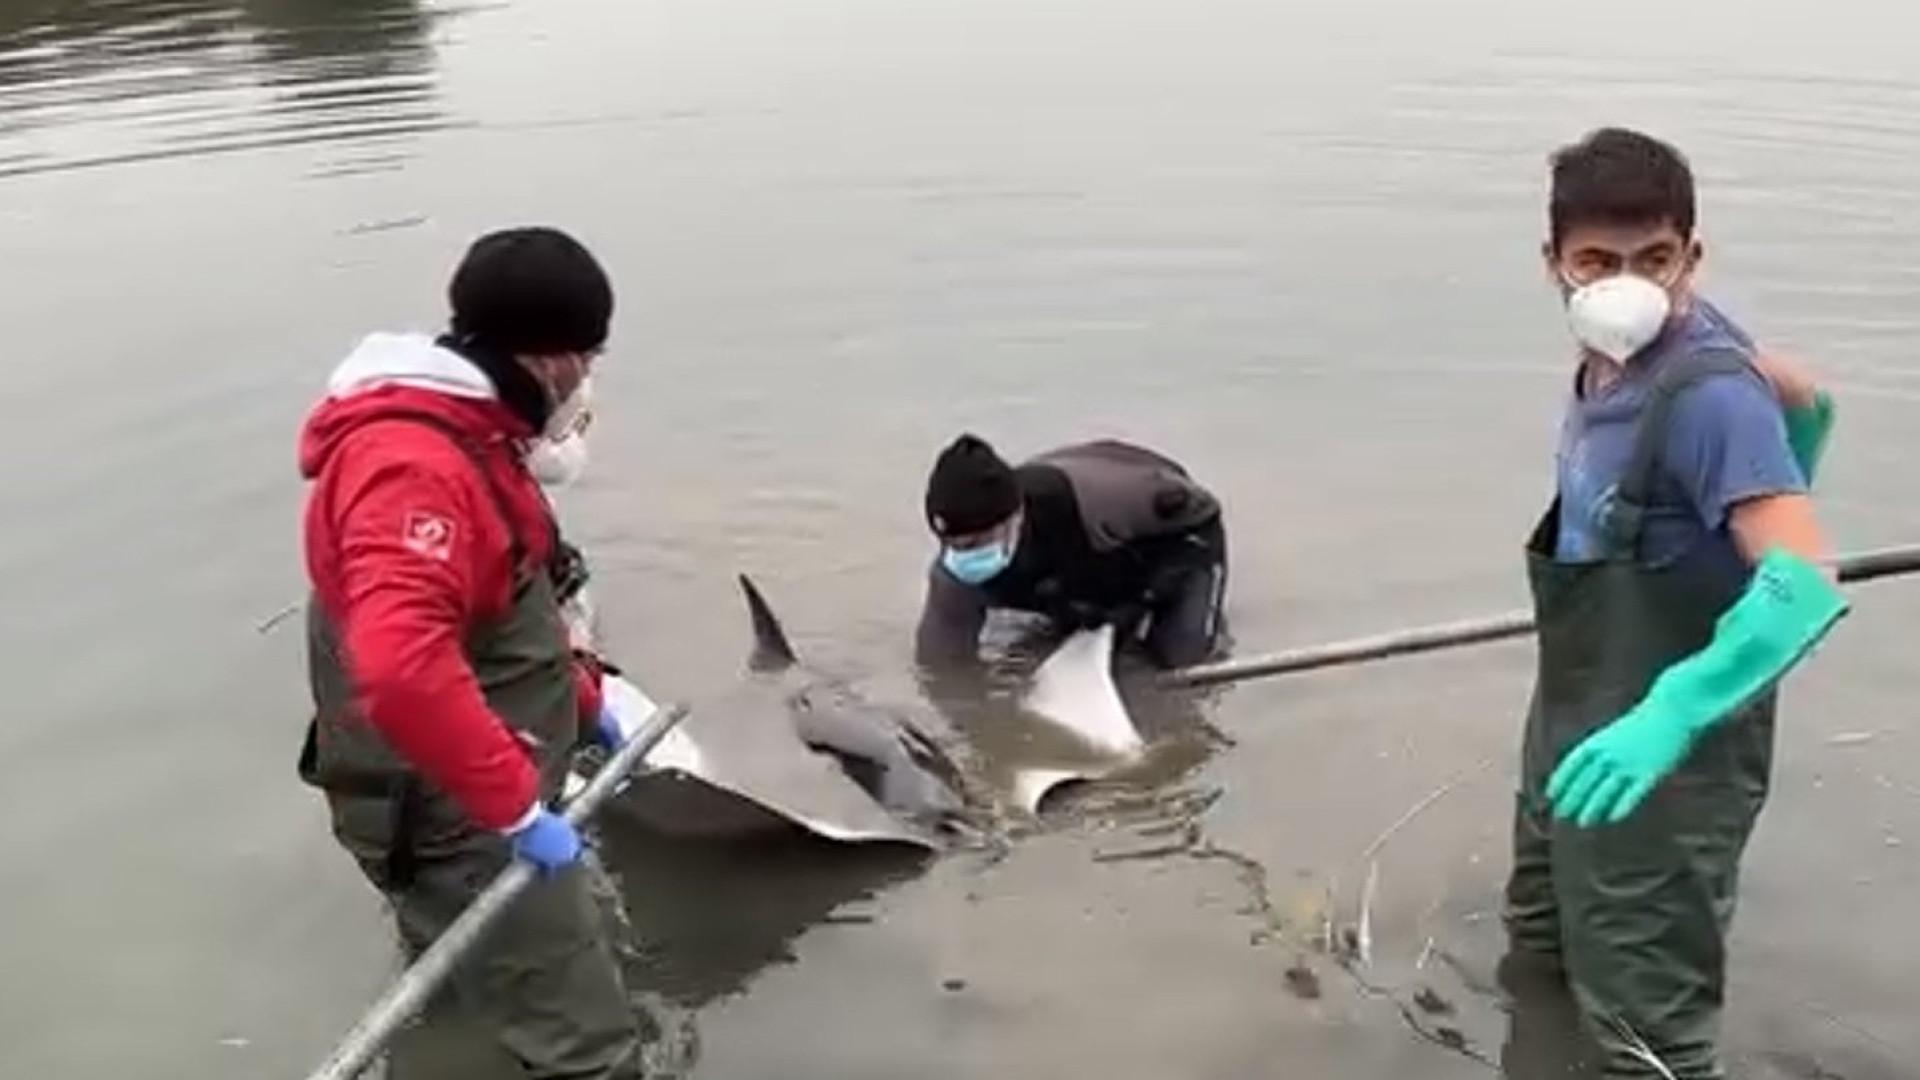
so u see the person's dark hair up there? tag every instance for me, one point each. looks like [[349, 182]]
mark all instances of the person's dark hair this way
[[970, 489], [530, 291], [1618, 176]]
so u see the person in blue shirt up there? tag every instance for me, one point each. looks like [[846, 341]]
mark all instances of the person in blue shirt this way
[[1678, 573]]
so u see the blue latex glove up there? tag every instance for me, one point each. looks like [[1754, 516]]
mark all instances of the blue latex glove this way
[[623, 709], [547, 841], [607, 733], [1788, 606]]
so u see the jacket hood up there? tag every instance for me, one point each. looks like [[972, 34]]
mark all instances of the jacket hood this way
[[387, 371]]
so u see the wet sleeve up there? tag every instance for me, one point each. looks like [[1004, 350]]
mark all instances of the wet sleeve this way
[[408, 562], [1728, 444], [951, 618]]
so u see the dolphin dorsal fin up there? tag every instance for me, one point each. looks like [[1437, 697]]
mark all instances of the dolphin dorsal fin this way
[[771, 649]]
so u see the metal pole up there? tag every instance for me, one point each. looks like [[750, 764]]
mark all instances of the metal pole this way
[[1864, 566], [405, 997]]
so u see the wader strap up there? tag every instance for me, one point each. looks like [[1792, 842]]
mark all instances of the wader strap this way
[[569, 570], [1626, 515], [403, 860]]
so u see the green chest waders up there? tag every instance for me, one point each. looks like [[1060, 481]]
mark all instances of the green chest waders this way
[[546, 982], [1635, 914]]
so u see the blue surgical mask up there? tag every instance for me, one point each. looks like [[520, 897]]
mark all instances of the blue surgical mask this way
[[978, 564]]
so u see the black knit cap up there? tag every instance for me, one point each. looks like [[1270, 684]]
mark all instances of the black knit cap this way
[[530, 291], [971, 488]]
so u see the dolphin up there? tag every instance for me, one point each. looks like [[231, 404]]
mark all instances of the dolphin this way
[[893, 761], [794, 747]]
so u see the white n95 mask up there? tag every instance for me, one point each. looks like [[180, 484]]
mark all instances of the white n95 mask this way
[[569, 417], [558, 463], [559, 454], [1618, 315]]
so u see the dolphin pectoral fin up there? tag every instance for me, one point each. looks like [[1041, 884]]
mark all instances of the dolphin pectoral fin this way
[[932, 758], [1074, 690]]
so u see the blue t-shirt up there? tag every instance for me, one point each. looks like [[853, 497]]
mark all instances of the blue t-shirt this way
[[1726, 442]]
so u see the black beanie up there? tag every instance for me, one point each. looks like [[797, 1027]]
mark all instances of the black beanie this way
[[530, 291], [970, 489]]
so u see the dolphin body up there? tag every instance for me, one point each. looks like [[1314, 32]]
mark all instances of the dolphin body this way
[[893, 762], [797, 748]]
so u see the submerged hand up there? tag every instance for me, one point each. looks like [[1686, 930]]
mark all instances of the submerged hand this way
[[1127, 618], [623, 708], [1079, 615], [1076, 615], [1604, 778], [608, 733]]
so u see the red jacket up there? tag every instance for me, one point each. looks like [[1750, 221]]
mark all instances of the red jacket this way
[[407, 550]]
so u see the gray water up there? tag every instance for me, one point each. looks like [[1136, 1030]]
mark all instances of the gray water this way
[[1294, 245]]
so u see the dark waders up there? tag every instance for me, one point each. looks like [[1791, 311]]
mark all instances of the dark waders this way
[[1185, 627], [545, 981], [1636, 914]]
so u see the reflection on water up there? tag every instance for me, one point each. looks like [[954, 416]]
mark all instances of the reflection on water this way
[[986, 711], [700, 920], [709, 917], [97, 83]]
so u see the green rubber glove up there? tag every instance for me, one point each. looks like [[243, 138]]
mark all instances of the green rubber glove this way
[[1788, 606], [1606, 776], [1807, 428]]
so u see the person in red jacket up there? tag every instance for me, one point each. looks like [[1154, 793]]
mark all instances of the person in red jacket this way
[[448, 700]]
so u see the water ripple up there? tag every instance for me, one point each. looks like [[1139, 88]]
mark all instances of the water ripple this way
[[90, 84]]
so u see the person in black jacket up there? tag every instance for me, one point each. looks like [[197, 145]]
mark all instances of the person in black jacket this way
[[1090, 533]]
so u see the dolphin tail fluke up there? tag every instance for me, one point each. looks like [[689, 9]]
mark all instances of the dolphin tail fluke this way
[[771, 649]]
